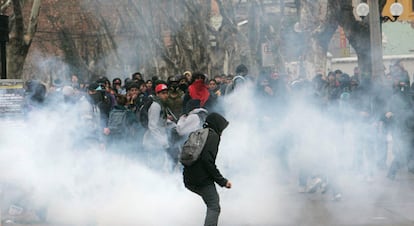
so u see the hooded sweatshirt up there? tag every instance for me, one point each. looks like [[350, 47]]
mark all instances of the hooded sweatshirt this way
[[204, 171]]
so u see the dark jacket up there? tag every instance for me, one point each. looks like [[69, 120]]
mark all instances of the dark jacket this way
[[204, 171], [131, 123]]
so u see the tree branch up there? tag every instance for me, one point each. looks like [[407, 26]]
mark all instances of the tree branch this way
[[226, 18], [32, 27], [18, 20], [5, 6]]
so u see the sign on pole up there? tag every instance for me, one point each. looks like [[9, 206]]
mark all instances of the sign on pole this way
[[11, 98]]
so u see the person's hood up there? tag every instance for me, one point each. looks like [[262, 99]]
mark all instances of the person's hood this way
[[198, 110], [216, 122]]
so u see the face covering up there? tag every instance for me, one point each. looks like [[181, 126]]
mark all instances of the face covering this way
[[174, 88], [183, 87]]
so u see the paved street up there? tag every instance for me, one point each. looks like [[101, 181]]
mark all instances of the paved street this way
[[379, 202]]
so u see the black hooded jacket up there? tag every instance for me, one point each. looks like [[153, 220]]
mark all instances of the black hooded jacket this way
[[204, 171]]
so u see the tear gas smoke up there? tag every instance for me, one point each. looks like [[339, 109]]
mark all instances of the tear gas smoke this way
[[47, 67], [86, 185], [261, 153]]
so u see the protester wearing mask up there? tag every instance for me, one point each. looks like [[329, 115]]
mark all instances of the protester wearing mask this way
[[183, 84], [92, 109], [99, 99], [175, 97], [198, 90], [201, 176]]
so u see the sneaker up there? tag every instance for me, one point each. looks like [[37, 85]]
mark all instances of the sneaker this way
[[314, 185], [337, 197]]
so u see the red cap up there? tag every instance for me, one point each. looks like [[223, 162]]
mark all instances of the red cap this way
[[160, 88]]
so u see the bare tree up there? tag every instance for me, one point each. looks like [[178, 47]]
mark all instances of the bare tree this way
[[21, 36], [180, 36], [319, 20], [4, 6], [317, 25], [357, 31], [153, 36]]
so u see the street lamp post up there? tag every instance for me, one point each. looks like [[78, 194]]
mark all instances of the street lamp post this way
[[4, 37], [375, 20]]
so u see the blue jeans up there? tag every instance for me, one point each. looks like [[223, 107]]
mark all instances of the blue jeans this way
[[211, 198]]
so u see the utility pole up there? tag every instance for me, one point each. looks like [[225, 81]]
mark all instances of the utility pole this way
[[377, 65], [3, 60], [4, 37]]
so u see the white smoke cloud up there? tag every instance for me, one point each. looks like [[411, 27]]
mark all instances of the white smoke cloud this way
[[81, 185], [322, 144], [88, 186], [91, 186], [45, 67]]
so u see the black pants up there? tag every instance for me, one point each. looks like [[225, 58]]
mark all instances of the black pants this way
[[211, 198]]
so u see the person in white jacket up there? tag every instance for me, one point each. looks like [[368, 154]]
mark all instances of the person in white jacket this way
[[155, 139], [191, 121]]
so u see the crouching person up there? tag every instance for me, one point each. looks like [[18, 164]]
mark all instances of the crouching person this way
[[201, 176]]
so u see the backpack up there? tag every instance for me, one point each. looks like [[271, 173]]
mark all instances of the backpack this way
[[143, 111], [117, 122], [237, 81], [193, 146]]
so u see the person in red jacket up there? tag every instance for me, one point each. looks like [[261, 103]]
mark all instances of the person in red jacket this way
[[201, 176], [198, 90]]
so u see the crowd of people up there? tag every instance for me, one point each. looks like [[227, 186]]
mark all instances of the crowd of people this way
[[153, 117], [134, 115]]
